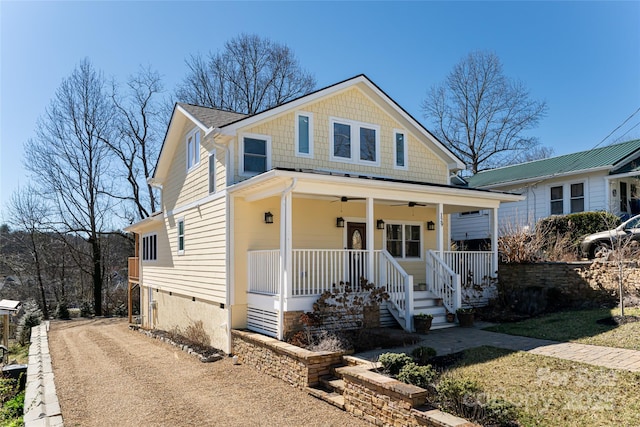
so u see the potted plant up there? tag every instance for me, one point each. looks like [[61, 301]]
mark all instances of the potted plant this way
[[465, 316], [422, 322], [451, 317]]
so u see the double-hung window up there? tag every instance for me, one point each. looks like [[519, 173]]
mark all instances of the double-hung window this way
[[404, 240], [304, 134], [180, 236], [577, 197], [255, 156], [400, 150], [557, 200], [193, 149], [354, 142], [150, 247]]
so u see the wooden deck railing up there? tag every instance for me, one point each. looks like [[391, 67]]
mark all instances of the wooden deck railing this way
[[134, 269]]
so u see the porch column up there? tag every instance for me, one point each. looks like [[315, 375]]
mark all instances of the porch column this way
[[494, 241], [370, 241], [285, 257], [440, 229]]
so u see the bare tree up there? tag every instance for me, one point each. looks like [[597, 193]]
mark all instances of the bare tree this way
[[250, 75], [138, 120], [481, 114], [28, 212], [69, 158]]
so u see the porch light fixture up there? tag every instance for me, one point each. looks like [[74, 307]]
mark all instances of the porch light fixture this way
[[380, 224], [431, 226], [268, 218], [340, 222]]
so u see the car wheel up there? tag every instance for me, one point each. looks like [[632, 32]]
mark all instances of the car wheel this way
[[600, 250]]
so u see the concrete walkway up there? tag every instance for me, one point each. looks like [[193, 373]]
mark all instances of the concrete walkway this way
[[452, 340]]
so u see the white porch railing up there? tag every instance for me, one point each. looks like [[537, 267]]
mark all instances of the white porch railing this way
[[473, 267], [443, 281], [263, 272], [399, 286]]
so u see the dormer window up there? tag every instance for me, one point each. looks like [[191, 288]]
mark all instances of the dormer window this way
[[354, 142], [193, 149]]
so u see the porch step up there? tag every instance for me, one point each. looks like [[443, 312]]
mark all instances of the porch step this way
[[333, 384]]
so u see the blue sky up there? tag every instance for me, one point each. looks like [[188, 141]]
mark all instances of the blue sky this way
[[583, 58]]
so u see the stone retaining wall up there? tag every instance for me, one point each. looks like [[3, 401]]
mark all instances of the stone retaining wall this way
[[385, 401], [41, 406], [577, 281], [297, 366]]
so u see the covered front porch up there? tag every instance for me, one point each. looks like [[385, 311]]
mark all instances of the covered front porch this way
[[317, 230]]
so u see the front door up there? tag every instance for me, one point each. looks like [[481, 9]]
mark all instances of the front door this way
[[357, 241]]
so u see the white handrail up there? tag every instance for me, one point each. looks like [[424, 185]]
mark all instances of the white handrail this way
[[399, 286], [443, 281]]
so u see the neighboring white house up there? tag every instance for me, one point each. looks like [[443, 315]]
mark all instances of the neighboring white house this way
[[263, 213], [601, 179]]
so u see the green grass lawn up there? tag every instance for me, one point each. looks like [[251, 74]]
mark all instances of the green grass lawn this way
[[554, 392], [578, 326]]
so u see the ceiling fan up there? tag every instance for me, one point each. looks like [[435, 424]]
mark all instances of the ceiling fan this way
[[411, 204], [346, 199]]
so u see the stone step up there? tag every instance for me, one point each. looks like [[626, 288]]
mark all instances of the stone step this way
[[333, 383], [331, 397]]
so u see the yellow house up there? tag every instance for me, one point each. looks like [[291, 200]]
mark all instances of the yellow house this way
[[262, 213]]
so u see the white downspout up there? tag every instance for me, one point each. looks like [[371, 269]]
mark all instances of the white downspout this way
[[285, 251]]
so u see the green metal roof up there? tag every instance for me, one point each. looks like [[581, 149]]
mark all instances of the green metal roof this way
[[598, 158]]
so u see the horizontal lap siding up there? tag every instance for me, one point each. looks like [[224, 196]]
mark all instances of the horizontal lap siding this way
[[201, 270]]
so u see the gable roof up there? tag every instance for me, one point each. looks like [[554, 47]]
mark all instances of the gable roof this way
[[228, 122], [602, 158], [210, 117]]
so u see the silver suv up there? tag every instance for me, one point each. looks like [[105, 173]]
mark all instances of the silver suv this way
[[597, 245]]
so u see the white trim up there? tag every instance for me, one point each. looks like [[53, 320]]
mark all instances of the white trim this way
[[405, 150], [195, 133], [184, 232], [539, 179], [402, 224], [267, 140], [354, 130], [196, 203], [309, 116], [566, 196], [192, 118]]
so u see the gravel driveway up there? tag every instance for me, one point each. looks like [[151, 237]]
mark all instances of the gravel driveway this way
[[107, 375]]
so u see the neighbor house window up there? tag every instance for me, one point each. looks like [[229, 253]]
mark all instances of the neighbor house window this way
[[212, 172], [577, 197], [256, 154], [557, 201], [304, 134], [150, 247], [180, 236], [400, 150], [354, 142], [404, 240], [193, 148]]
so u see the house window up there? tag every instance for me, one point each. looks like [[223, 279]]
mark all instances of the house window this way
[[556, 201], [355, 142], [180, 236], [577, 197], [400, 152], [404, 240], [150, 247], [470, 213], [212, 172], [193, 149], [304, 134], [256, 154]]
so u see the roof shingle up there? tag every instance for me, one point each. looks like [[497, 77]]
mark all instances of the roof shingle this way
[[211, 117]]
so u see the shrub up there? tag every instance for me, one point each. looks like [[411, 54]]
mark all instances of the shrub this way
[[421, 355], [196, 334], [328, 341], [455, 393], [417, 375], [62, 311], [86, 309], [393, 362]]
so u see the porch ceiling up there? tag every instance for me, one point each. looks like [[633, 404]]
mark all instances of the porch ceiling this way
[[324, 185]]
